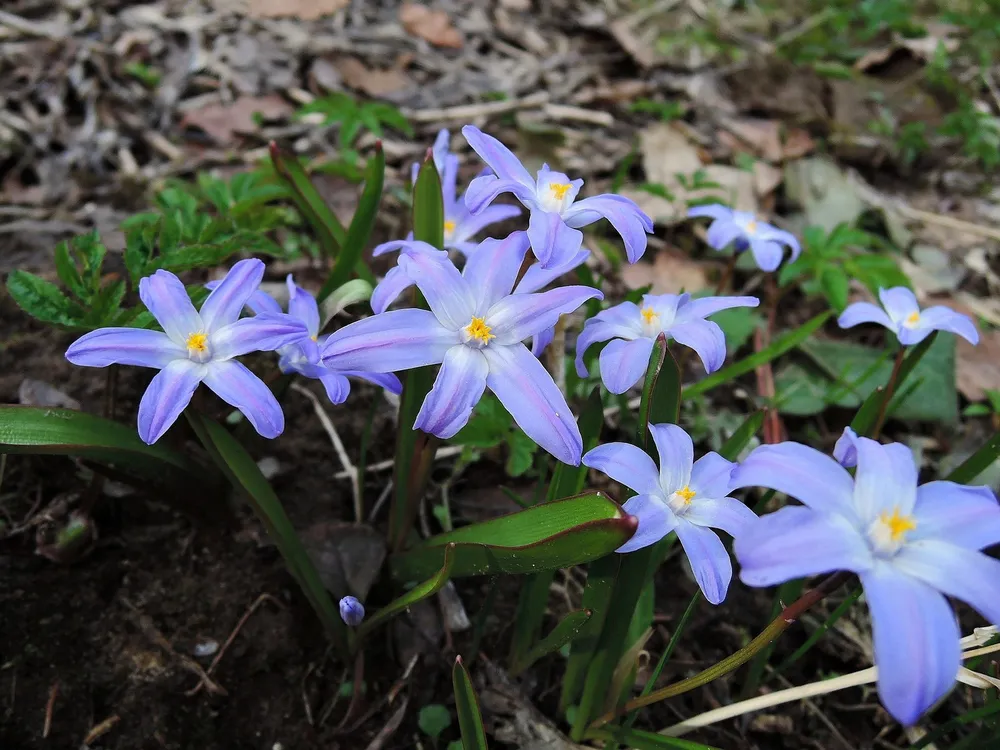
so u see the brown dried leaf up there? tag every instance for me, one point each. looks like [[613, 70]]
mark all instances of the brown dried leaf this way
[[223, 122], [307, 10], [669, 273], [348, 556], [762, 136], [372, 82], [432, 25]]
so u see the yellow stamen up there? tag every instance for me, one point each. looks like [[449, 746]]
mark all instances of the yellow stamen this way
[[751, 226], [315, 338], [649, 315], [913, 318], [449, 227], [198, 342], [897, 523], [686, 494], [479, 331], [559, 189]]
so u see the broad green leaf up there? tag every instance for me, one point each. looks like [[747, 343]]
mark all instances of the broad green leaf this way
[[68, 272], [779, 346], [864, 421], [642, 740], [470, 720], [349, 258], [835, 286], [92, 251], [329, 231], [43, 300], [553, 535], [105, 304], [433, 719], [661, 391], [567, 629], [140, 237], [738, 324], [418, 593], [487, 428], [521, 453], [244, 474]]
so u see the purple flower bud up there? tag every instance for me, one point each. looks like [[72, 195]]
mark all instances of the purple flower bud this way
[[352, 611]]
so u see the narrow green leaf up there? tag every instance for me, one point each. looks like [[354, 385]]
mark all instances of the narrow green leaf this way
[[68, 272], [349, 257], [105, 304], [567, 629], [329, 231], [428, 205], [243, 473], [43, 300], [661, 390], [978, 462], [418, 593], [781, 345], [865, 419], [642, 740], [739, 440], [553, 535], [470, 721]]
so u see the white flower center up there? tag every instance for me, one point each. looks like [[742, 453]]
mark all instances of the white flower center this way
[[680, 500], [477, 334], [199, 349], [912, 320], [887, 533], [650, 322], [555, 197]]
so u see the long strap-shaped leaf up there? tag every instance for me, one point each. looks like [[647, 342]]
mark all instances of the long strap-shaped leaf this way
[[470, 720], [330, 232], [245, 476], [567, 629], [642, 740]]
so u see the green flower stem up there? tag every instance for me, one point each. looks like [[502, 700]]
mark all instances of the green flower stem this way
[[890, 388]]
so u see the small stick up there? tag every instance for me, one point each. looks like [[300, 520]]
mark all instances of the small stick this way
[[101, 729], [49, 707]]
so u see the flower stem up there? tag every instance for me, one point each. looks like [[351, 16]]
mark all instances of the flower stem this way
[[890, 388], [727, 275], [781, 623]]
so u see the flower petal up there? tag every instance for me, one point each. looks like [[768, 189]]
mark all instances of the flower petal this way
[[448, 294], [164, 295], [167, 396], [337, 386], [492, 270], [916, 642], [723, 232], [655, 521], [409, 247], [518, 316], [124, 346], [623, 363], [541, 340], [725, 513], [962, 573], [472, 224], [626, 464], [552, 241], [386, 292], [302, 305], [706, 338], [527, 391], [259, 301], [710, 563], [766, 253], [698, 309], [228, 299], [845, 451], [237, 386], [712, 211], [966, 516], [796, 542], [382, 379], [886, 479], [624, 215], [459, 385], [484, 190], [768, 232], [497, 156], [538, 277], [864, 312], [621, 321], [261, 333], [389, 342], [802, 472], [899, 302], [712, 476], [676, 452], [941, 318]]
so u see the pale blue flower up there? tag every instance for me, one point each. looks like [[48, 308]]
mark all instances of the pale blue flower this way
[[743, 231], [352, 612], [474, 328], [903, 316], [685, 496], [911, 545], [555, 216], [196, 347], [635, 329]]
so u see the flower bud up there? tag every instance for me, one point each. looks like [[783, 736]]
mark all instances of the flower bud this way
[[351, 611]]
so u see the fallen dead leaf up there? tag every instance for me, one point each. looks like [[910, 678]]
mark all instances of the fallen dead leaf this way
[[347, 556], [433, 26], [306, 10], [978, 367], [39, 393], [223, 122], [798, 143], [669, 273], [762, 136], [373, 82]]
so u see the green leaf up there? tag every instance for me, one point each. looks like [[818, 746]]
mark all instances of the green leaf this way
[[428, 205], [92, 250], [329, 231], [244, 474], [140, 236], [349, 258], [553, 535], [978, 462], [779, 346], [105, 304], [487, 428], [864, 421], [470, 721], [738, 324], [43, 300], [739, 440], [68, 272], [521, 453], [433, 720], [601, 576], [835, 285], [661, 391], [567, 629], [418, 593], [642, 740]]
